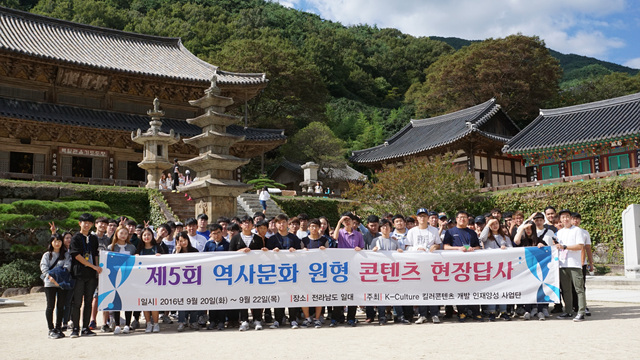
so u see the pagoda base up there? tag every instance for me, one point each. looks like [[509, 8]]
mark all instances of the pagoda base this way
[[215, 197]]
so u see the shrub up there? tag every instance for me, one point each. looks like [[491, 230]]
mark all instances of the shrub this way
[[87, 206], [7, 209], [14, 220], [49, 209], [20, 273], [314, 207]]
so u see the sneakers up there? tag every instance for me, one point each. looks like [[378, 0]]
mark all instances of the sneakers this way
[[540, 316], [74, 334], [92, 325], [317, 324], [117, 330], [402, 320], [504, 316], [578, 318], [462, 318], [220, 326], [321, 319], [166, 319], [60, 333], [382, 321], [54, 334], [421, 320], [258, 325], [88, 332], [492, 317], [149, 328], [135, 324], [181, 327], [565, 316], [527, 315], [307, 322], [587, 312], [294, 325], [156, 328], [126, 329], [275, 325], [478, 318], [194, 326], [545, 312], [435, 319], [105, 328], [202, 320], [333, 323], [244, 326], [351, 323]]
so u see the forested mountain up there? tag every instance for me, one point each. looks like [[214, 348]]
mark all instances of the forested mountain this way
[[362, 82]]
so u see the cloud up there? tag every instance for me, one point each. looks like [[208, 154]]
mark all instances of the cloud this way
[[633, 63], [569, 26]]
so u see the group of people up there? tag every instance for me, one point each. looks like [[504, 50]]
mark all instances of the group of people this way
[[425, 231], [175, 178]]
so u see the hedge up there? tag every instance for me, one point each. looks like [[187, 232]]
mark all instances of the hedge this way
[[20, 273], [312, 206], [599, 202]]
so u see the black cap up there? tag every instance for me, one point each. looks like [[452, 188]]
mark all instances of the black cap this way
[[432, 213], [480, 219]]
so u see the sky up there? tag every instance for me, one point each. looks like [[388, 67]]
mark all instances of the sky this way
[[604, 29]]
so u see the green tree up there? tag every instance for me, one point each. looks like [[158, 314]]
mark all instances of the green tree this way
[[316, 143], [434, 184], [295, 95], [599, 88], [517, 70]]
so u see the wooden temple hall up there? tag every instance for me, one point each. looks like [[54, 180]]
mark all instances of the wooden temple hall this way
[[71, 94], [476, 135]]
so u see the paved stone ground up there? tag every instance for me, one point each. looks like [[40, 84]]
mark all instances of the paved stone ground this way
[[611, 333]]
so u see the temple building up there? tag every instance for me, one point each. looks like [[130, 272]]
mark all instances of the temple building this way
[[71, 94], [601, 136], [476, 135]]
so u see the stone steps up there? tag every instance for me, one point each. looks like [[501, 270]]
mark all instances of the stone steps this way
[[249, 204], [178, 203]]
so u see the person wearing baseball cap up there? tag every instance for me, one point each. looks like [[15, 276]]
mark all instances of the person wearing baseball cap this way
[[423, 237], [570, 244]]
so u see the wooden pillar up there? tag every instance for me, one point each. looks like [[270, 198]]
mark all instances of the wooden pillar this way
[[471, 161], [489, 170]]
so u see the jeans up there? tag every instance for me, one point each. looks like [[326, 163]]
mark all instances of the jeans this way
[[371, 312], [52, 293], [404, 311], [191, 315], [84, 289], [501, 308], [434, 310]]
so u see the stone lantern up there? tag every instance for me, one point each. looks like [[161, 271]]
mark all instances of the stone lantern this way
[[155, 158]]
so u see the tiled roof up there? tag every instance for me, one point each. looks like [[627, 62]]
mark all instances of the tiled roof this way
[[346, 173], [427, 134], [64, 41], [605, 120], [69, 115]]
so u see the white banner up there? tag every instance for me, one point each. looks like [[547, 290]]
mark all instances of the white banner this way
[[260, 279]]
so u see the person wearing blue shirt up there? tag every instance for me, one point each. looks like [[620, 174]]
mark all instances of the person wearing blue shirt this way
[[216, 243], [463, 239]]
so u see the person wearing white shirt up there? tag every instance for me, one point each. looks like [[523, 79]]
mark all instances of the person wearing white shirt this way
[[197, 241], [570, 245], [586, 256]]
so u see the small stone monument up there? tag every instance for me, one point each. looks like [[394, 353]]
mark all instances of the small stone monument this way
[[631, 241], [310, 171], [155, 158]]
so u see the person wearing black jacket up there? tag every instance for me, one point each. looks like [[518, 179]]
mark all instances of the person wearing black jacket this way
[[245, 241], [84, 255]]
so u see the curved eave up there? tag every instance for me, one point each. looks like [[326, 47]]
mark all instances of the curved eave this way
[[569, 144], [434, 146]]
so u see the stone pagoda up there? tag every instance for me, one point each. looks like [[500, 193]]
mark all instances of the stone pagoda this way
[[215, 187], [155, 158]]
